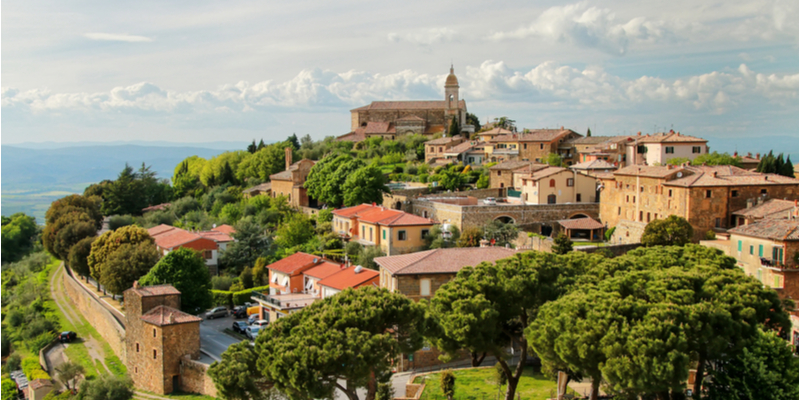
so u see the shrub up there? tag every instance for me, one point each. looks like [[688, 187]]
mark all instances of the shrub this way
[[32, 369], [118, 221], [325, 215], [222, 298], [39, 342], [13, 362], [447, 381], [609, 233], [221, 282], [710, 235], [244, 296], [411, 169], [423, 178]]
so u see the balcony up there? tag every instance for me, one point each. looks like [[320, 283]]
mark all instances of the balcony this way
[[286, 301]]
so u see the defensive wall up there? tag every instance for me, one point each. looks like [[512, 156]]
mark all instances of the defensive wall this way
[[402, 199], [194, 377]]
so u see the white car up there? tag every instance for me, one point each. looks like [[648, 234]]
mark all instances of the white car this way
[[260, 323], [252, 332], [490, 201]]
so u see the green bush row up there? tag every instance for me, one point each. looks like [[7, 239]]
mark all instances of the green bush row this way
[[229, 299], [222, 298], [32, 369]]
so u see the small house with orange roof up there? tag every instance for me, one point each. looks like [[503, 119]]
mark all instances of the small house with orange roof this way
[[394, 231], [351, 277], [207, 243]]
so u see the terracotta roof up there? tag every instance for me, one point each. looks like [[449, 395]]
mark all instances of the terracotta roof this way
[[259, 188], [580, 223], [216, 236], [37, 384], [727, 175], [434, 129], [294, 262], [537, 135], [511, 165], [161, 206], [158, 230], [594, 164], [649, 171], [175, 238], [225, 228], [382, 216], [442, 261], [354, 136], [349, 278], [163, 316], [543, 173], [495, 132], [671, 137], [409, 105], [441, 161], [460, 148], [775, 229], [323, 270], [155, 290], [768, 208], [593, 139], [281, 176], [444, 140], [379, 128]]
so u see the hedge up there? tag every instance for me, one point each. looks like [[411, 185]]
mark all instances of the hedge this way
[[222, 298], [32, 369], [245, 295]]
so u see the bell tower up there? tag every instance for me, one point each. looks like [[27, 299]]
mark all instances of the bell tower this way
[[451, 90]]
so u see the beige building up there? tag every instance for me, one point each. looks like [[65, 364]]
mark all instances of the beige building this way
[[659, 148], [767, 250], [395, 232], [706, 196], [436, 148], [507, 174], [769, 209], [531, 145], [557, 185], [290, 182]]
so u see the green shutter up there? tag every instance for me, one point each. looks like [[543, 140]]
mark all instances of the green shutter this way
[[384, 234], [780, 255], [740, 245], [761, 250], [777, 284]]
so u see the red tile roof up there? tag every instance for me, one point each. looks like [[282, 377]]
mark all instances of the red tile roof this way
[[594, 164], [37, 384], [163, 316], [216, 236], [225, 228], [442, 261], [513, 165], [444, 140], [294, 262], [379, 128], [768, 208], [458, 149], [671, 137], [259, 188], [727, 175], [323, 270], [382, 216], [157, 230], [161, 206], [155, 290], [545, 172], [495, 132], [349, 212], [536, 135], [775, 229], [650, 171], [580, 223], [348, 278], [175, 238], [354, 136]]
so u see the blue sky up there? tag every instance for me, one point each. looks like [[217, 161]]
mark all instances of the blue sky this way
[[199, 71]]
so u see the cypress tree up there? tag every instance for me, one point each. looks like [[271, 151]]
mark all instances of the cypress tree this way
[[454, 128]]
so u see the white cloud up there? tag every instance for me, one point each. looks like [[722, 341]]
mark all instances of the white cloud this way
[[425, 38], [592, 27], [115, 37]]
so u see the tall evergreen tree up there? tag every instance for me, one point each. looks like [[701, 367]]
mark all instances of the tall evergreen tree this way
[[252, 148], [588, 132], [788, 168], [294, 141], [261, 144], [454, 127]]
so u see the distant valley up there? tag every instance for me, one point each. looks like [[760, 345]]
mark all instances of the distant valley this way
[[32, 178]]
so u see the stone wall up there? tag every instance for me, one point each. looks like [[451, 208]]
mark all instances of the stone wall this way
[[101, 319], [628, 232], [533, 217], [195, 379]]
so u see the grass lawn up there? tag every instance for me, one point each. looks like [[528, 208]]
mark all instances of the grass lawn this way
[[389, 168], [478, 384]]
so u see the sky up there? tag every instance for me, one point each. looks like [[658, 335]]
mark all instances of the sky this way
[[201, 71]]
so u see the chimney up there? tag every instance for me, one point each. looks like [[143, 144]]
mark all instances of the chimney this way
[[135, 284], [669, 166], [171, 318], [288, 157], [373, 204], [758, 156], [749, 203], [639, 133], [562, 127], [714, 174]]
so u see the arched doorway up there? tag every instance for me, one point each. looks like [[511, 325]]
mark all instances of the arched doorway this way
[[398, 205], [505, 219], [579, 216]]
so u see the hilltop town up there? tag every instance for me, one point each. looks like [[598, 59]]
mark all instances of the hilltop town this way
[[390, 261]]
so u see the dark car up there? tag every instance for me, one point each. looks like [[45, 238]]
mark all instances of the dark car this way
[[239, 326], [66, 337], [239, 312]]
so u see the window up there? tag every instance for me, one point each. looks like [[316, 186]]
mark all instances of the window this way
[[751, 249], [370, 233], [498, 173], [363, 231], [401, 235], [154, 333], [777, 283], [440, 149], [570, 182], [641, 149], [648, 217], [541, 146], [761, 250], [734, 193], [717, 223], [670, 150], [137, 347], [155, 354], [425, 233], [619, 210], [669, 194], [641, 216], [135, 370], [641, 189], [552, 183], [384, 234], [696, 149], [525, 146], [708, 194], [551, 199], [425, 287], [763, 191], [634, 199], [207, 254], [740, 245], [627, 199], [777, 254], [578, 197]]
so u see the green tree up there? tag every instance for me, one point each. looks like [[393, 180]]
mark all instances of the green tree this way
[[672, 231], [554, 160], [454, 128], [251, 243], [106, 387], [126, 265], [486, 308], [186, 270], [59, 237], [19, 233], [237, 377], [90, 205], [79, 254], [367, 256], [502, 233], [765, 369], [246, 278], [452, 179], [717, 159], [471, 237], [365, 185], [295, 231], [588, 132], [107, 245], [562, 244], [327, 178], [69, 372], [447, 381], [123, 196], [483, 182], [351, 338], [251, 148], [267, 161], [9, 389]]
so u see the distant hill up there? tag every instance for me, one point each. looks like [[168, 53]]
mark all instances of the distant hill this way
[[152, 143], [33, 178]]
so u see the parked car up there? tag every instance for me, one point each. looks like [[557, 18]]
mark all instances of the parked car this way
[[217, 312], [251, 319], [490, 201], [252, 332], [66, 337], [239, 326], [260, 323], [239, 312]]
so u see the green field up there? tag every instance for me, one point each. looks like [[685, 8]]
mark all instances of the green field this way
[[479, 384]]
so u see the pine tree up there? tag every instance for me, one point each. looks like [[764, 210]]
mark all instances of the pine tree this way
[[261, 144], [251, 148], [588, 132], [454, 128], [788, 168]]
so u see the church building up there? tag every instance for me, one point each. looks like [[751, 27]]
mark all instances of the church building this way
[[390, 119]]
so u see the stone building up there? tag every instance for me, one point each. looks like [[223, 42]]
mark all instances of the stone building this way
[[389, 119], [531, 145], [769, 209], [209, 244], [659, 148], [437, 148], [158, 336], [503, 175], [706, 196], [394, 231], [556, 185], [290, 182]]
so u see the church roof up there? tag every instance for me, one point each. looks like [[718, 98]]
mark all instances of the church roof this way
[[354, 136], [379, 127], [409, 105], [451, 78]]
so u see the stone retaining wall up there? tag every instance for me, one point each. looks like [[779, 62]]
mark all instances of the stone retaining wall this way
[[531, 216], [43, 358], [195, 379], [98, 316]]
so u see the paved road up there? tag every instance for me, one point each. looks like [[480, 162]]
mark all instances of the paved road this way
[[212, 340]]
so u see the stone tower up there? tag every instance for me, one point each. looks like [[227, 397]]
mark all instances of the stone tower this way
[[157, 336], [451, 100]]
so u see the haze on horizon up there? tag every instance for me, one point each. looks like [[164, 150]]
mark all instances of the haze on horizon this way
[[202, 72]]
